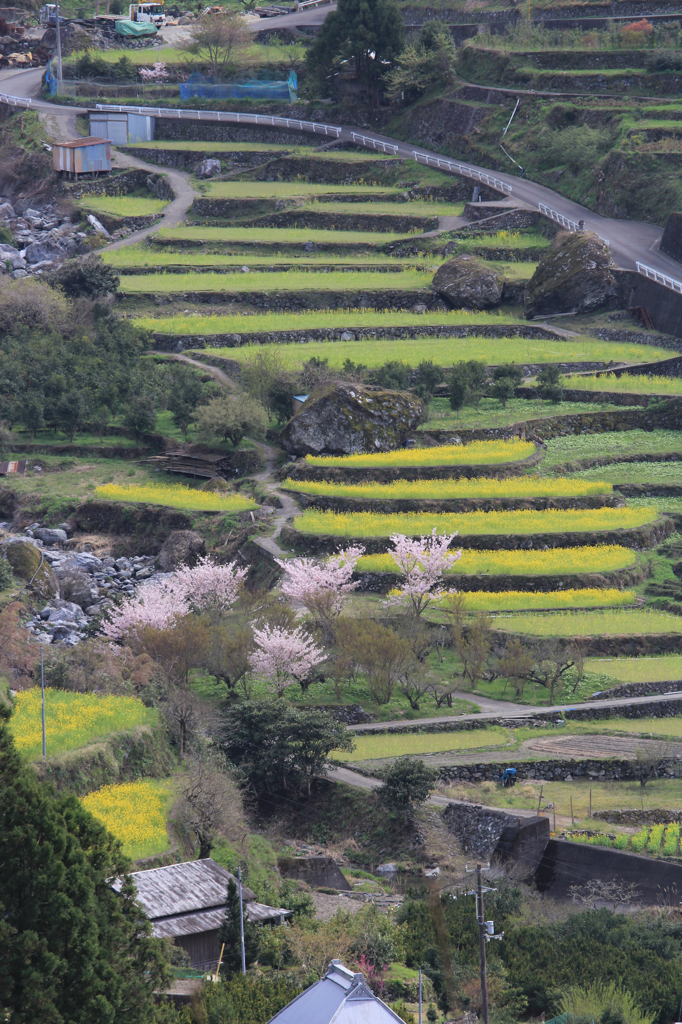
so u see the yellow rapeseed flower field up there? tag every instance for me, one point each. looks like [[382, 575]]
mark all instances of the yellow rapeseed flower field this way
[[478, 453], [135, 813], [630, 383], [526, 522], [433, 490], [72, 719], [523, 600], [601, 558], [176, 496]]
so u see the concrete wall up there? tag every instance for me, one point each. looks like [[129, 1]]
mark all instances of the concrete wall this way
[[565, 863], [663, 304], [315, 871]]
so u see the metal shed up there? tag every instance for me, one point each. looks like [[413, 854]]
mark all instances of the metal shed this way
[[186, 903], [91, 156], [122, 128]]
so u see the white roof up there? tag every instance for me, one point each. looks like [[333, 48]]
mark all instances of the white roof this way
[[341, 997]]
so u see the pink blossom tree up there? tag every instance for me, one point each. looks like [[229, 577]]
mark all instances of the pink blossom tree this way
[[159, 73], [153, 606], [421, 561], [321, 587], [208, 586], [283, 656]]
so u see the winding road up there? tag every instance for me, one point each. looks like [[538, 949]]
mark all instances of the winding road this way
[[630, 241]]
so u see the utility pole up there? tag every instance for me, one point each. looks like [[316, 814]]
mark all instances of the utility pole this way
[[420, 995], [241, 922], [59, 45], [42, 694], [482, 941]]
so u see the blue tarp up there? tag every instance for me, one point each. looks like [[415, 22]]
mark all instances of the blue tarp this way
[[196, 86]]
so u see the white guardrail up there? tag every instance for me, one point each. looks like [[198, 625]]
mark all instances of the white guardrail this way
[[366, 140], [565, 222], [15, 101], [218, 115], [467, 172], [656, 275]]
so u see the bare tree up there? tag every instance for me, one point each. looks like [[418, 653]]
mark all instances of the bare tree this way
[[596, 893], [211, 804], [553, 660], [221, 40], [185, 715], [473, 644], [516, 665], [647, 760]]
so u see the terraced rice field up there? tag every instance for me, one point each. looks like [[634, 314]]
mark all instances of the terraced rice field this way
[[524, 522], [291, 280], [596, 623], [601, 558], [176, 496], [147, 257], [635, 473], [477, 453], [432, 490], [638, 670], [520, 600], [125, 206], [267, 189], [627, 442], [627, 383], [284, 236]]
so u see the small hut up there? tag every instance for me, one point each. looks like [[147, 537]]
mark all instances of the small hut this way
[[84, 157]]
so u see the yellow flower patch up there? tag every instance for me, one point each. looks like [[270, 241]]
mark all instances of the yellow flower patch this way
[[434, 490], [176, 496], [478, 453], [601, 558], [135, 813]]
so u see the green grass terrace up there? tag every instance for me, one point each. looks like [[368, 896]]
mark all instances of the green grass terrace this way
[[618, 622], [290, 280]]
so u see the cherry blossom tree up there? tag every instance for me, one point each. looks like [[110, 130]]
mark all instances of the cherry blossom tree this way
[[283, 656], [159, 73], [208, 586], [321, 586], [154, 606], [421, 561]]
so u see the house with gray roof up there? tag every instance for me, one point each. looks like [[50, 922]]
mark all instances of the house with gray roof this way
[[186, 903], [341, 997]]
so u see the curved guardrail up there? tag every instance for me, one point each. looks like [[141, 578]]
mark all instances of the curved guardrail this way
[[656, 275], [229, 116], [467, 172], [565, 222], [15, 101]]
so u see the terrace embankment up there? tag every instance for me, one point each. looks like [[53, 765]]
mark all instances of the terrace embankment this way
[[613, 645], [302, 470], [383, 582], [554, 770], [285, 301], [318, 219], [332, 503], [639, 537]]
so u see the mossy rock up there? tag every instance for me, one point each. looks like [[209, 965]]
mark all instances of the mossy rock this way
[[467, 283], [25, 559], [574, 276], [216, 484], [342, 419]]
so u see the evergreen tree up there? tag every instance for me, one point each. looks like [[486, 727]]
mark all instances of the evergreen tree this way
[[230, 934], [72, 949]]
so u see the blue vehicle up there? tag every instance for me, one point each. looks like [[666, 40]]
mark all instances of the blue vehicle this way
[[508, 777]]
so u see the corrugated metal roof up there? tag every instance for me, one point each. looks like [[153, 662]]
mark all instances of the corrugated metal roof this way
[[340, 997], [182, 888], [189, 924], [261, 912], [92, 140]]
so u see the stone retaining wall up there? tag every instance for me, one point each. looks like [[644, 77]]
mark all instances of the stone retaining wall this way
[[476, 828], [638, 690], [602, 422], [551, 770], [189, 158], [311, 218], [389, 505], [612, 460], [302, 470], [358, 334], [630, 645], [291, 300], [383, 582], [641, 537], [656, 816]]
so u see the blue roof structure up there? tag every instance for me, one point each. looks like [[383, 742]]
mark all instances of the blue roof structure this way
[[341, 997]]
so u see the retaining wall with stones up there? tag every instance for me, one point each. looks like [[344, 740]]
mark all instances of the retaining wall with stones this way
[[638, 690], [291, 300], [223, 209], [358, 334], [332, 503], [600, 770], [636, 816], [476, 828], [189, 158], [641, 537], [383, 582]]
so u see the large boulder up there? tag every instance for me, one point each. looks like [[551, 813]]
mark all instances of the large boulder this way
[[181, 547], [208, 168], [25, 559], [574, 276], [466, 283], [76, 586], [38, 252], [340, 419]]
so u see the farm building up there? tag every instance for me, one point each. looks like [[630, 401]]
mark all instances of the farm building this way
[[186, 903], [341, 997], [91, 156]]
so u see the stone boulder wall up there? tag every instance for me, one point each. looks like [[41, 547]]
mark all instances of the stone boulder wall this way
[[573, 277], [344, 418], [466, 282], [183, 547]]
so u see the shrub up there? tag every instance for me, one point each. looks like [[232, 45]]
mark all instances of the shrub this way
[[578, 146], [5, 573], [467, 383], [407, 783], [31, 303], [141, 415], [231, 417], [549, 384], [86, 276]]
